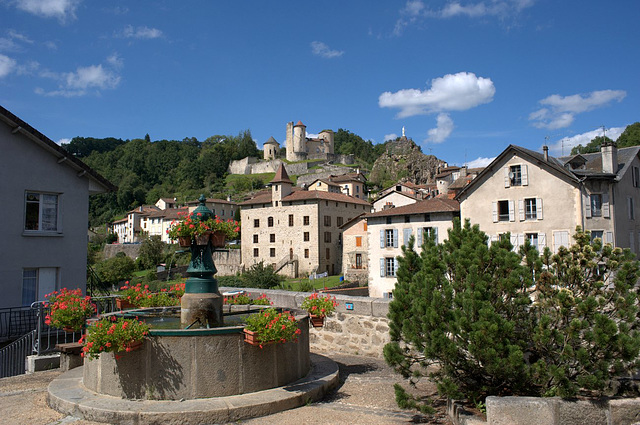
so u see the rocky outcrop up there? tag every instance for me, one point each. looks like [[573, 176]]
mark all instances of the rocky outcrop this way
[[403, 161]]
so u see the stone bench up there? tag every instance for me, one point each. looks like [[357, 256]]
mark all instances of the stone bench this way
[[70, 355]]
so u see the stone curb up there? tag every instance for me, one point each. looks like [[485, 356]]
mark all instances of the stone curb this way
[[66, 394]]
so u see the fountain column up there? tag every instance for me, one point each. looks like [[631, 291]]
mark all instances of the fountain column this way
[[202, 301]]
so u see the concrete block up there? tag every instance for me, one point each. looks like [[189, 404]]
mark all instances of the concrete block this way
[[354, 305], [40, 363], [625, 411], [380, 307], [70, 361], [579, 412], [519, 411]]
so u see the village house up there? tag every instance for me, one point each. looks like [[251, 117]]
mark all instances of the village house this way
[[355, 251], [539, 198], [296, 230], [44, 246], [388, 230]]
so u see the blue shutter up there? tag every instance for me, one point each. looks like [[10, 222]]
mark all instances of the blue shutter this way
[[395, 238], [420, 232], [406, 236], [382, 267], [435, 235], [381, 238]]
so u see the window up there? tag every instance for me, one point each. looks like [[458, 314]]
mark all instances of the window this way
[[389, 238], [272, 252], [596, 205], [530, 209], [597, 234], [328, 253], [327, 237], [255, 238], [533, 239], [305, 220], [290, 219], [256, 252], [515, 175], [631, 212], [41, 212], [388, 267], [270, 221], [306, 253], [327, 220], [256, 222], [635, 175], [358, 240], [36, 283], [29, 285], [272, 237], [503, 210], [388, 221], [339, 221], [358, 261], [306, 236]]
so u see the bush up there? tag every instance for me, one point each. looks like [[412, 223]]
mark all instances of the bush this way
[[496, 322], [116, 269], [261, 276], [151, 252]]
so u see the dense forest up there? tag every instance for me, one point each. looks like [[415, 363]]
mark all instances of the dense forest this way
[[145, 171]]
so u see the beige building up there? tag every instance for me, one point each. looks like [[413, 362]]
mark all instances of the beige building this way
[[325, 185], [388, 230], [540, 198], [298, 231], [394, 199], [271, 149], [355, 251]]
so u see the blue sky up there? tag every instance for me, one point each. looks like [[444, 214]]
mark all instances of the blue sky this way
[[465, 78]]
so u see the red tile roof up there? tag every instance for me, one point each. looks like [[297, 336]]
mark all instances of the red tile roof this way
[[426, 206], [301, 195], [281, 176]]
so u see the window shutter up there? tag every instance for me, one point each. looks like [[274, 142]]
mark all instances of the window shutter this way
[[605, 206], [539, 208], [435, 234], [542, 241], [406, 236], [382, 267], [507, 181], [521, 209], [495, 212], [525, 175], [395, 238], [381, 238], [587, 207], [396, 264], [520, 239], [634, 176], [512, 212], [608, 237], [514, 242], [420, 233]]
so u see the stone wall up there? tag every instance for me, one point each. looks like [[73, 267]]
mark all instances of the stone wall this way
[[228, 263], [130, 250], [359, 326]]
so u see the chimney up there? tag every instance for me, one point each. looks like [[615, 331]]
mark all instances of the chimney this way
[[545, 151], [463, 171], [609, 153]]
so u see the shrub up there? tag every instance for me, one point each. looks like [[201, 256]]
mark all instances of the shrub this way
[[496, 322], [116, 269], [261, 276], [245, 299]]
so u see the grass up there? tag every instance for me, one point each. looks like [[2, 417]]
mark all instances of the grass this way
[[323, 282]]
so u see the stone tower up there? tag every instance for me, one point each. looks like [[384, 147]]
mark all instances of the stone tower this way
[[327, 136], [271, 149], [281, 186]]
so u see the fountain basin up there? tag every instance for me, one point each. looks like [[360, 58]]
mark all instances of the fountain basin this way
[[199, 363]]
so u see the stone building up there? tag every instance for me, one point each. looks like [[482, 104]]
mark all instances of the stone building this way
[[271, 149], [355, 254], [296, 230], [300, 147]]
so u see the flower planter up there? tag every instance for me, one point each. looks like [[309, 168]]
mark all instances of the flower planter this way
[[251, 337], [124, 304], [218, 239], [202, 239], [316, 320], [184, 241], [66, 329], [135, 345]]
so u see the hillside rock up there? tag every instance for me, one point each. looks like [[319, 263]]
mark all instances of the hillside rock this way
[[403, 161]]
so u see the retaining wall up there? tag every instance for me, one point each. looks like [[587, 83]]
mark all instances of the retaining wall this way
[[359, 326]]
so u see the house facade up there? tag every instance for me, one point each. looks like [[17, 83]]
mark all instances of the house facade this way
[[394, 199], [388, 230], [539, 198], [355, 251], [44, 246], [297, 231]]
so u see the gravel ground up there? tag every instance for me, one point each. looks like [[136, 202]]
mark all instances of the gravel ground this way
[[365, 396]]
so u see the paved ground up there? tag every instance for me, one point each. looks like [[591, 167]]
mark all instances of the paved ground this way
[[365, 397]]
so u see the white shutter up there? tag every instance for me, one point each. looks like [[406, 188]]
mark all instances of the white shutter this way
[[507, 180], [420, 232], [435, 234], [381, 238], [382, 267], [606, 212], [525, 176], [495, 211], [406, 236], [539, 208], [587, 207], [395, 238], [512, 212], [521, 209], [514, 242], [542, 241], [608, 237], [396, 264]]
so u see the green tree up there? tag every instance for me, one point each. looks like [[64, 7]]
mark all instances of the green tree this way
[[115, 269], [151, 252], [592, 147], [630, 136], [496, 322], [261, 276]]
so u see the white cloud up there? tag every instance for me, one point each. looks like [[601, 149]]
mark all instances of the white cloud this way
[[115, 60], [415, 11], [51, 45], [9, 44], [18, 36], [83, 79], [560, 111], [7, 65], [564, 145], [139, 32], [442, 131], [392, 136], [480, 162], [28, 69], [61, 9], [64, 140], [318, 48], [453, 92]]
